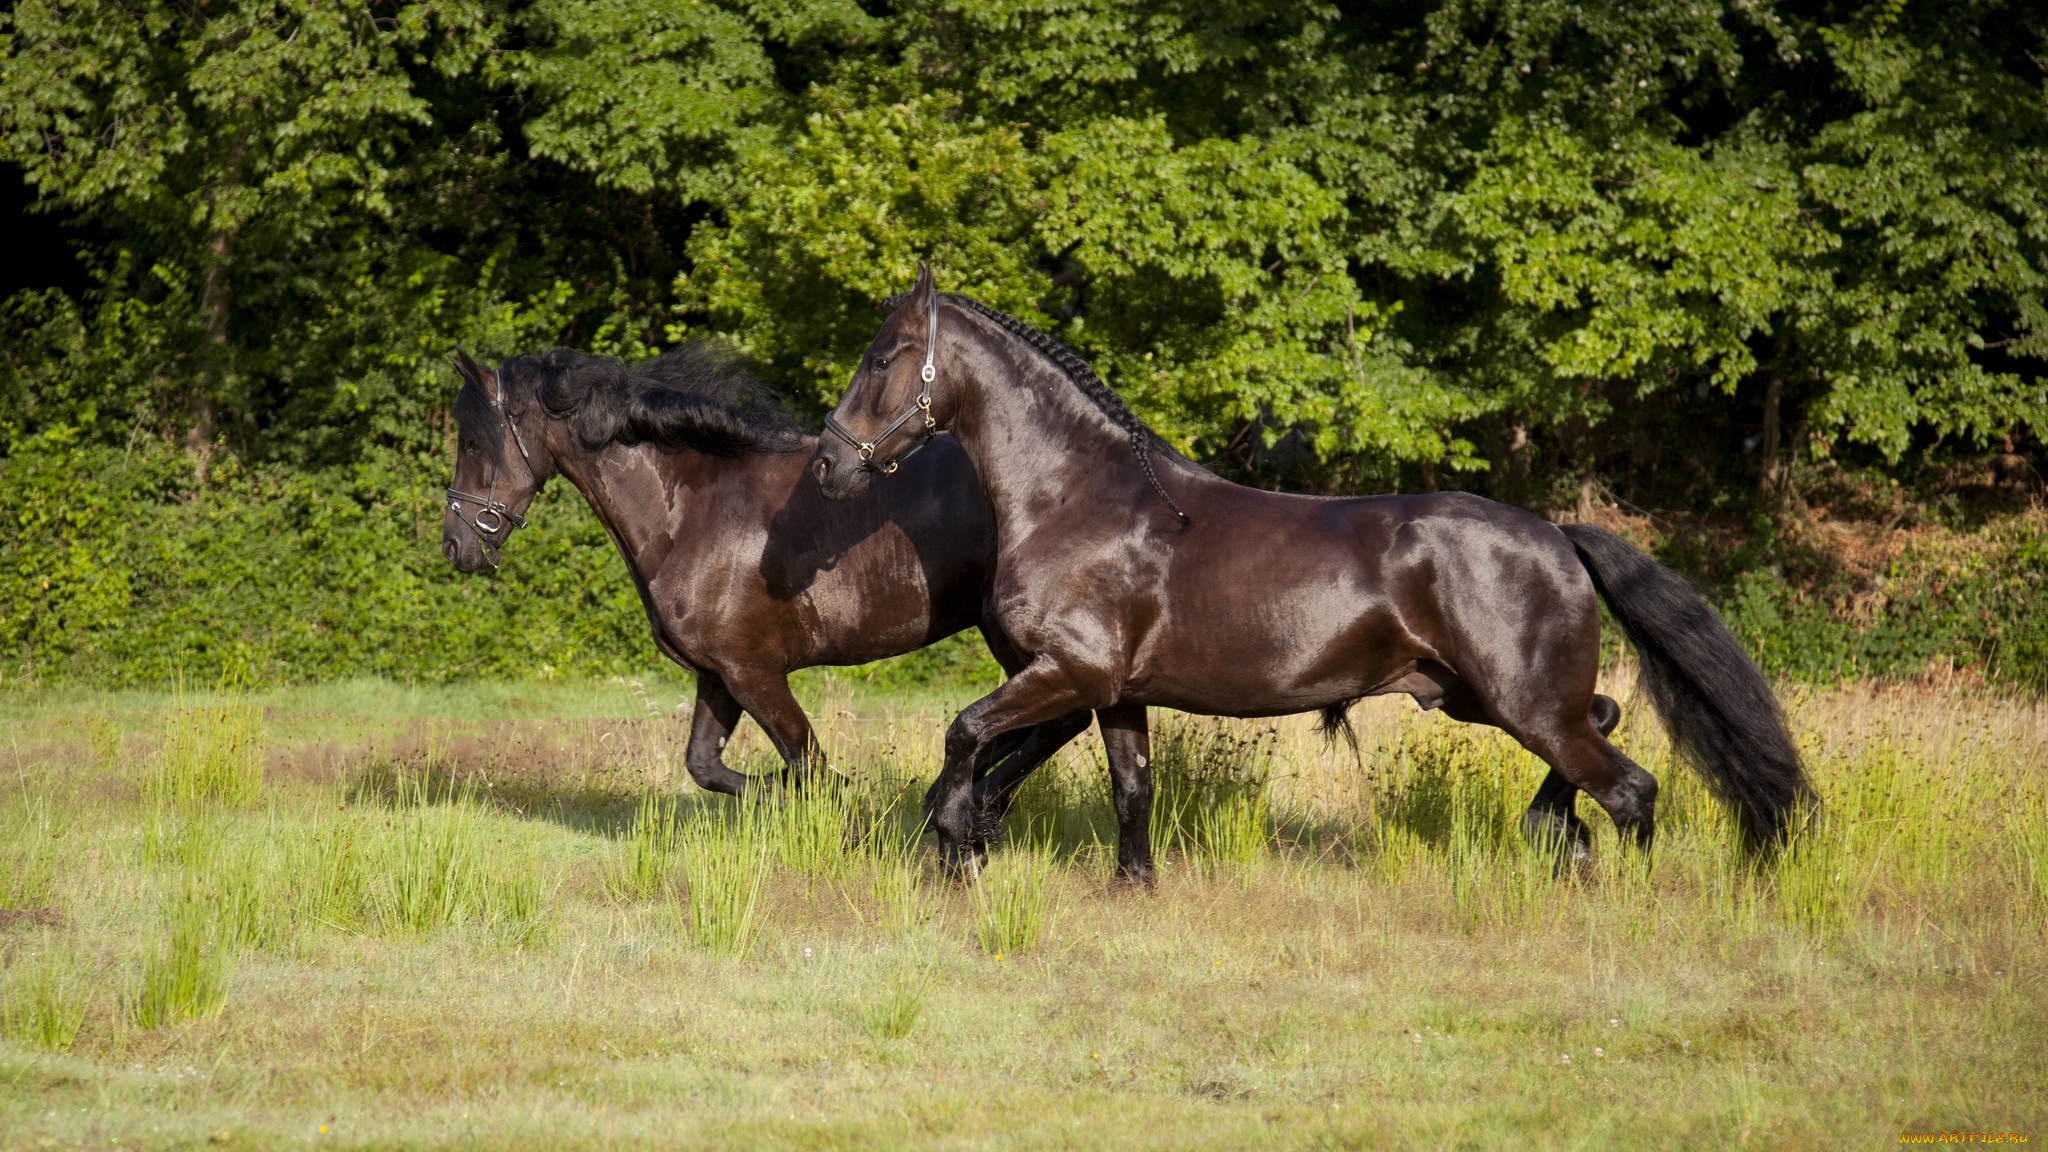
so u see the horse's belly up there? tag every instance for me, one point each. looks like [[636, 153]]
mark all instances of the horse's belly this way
[[1268, 662]]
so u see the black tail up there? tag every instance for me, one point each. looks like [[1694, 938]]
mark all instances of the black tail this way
[[1714, 702]]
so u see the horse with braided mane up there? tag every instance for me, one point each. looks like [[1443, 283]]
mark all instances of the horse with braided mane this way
[[1132, 577]]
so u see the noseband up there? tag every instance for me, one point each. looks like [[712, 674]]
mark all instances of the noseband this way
[[923, 406], [493, 515]]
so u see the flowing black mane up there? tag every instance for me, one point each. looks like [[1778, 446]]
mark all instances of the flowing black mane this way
[[699, 396]]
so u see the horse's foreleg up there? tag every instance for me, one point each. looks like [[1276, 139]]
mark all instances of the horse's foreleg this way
[[1001, 767], [711, 725], [994, 792], [1038, 693], [1128, 741], [767, 698]]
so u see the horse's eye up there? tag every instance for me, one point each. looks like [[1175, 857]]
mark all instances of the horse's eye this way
[[881, 362]]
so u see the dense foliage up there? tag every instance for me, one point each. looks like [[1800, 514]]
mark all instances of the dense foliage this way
[[1510, 245]]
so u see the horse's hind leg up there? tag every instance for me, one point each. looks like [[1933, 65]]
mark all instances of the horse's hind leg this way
[[1576, 751], [1553, 816], [711, 725]]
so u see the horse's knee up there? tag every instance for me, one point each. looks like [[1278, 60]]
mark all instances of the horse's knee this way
[[962, 741]]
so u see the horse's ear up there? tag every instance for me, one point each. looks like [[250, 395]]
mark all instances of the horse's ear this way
[[465, 367], [921, 291]]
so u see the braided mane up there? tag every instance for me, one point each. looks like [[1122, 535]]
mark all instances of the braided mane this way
[[1076, 369], [1144, 441]]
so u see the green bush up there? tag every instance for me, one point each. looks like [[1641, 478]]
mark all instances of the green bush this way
[[120, 569], [1941, 607]]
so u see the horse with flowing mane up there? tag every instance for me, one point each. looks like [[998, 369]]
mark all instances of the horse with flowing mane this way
[[1134, 577], [697, 473]]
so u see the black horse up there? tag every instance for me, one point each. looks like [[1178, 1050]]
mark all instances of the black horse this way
[[697, 473], [1134, 577]]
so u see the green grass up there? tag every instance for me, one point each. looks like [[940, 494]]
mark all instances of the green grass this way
[[186, 974], [894, 1014], [725, 860], [1013, 900], [211, 754], [43, 1003], [515, 925]]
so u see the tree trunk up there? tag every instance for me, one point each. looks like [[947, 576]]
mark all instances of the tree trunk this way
[[213, 306], [1767, 483], [1518, 463]]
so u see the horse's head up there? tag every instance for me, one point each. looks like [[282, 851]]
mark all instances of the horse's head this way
[[897, 399], [500, 465]]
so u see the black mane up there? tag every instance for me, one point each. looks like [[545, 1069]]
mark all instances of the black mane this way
[[699, 396]]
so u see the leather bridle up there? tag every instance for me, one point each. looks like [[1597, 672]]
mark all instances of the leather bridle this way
[[922, 406], [493, 515]]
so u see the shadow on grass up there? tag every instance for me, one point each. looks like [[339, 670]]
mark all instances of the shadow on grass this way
[[597, 808]]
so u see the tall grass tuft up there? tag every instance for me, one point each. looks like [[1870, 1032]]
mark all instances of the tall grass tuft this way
[[438, 866], [1814, 879], [897, 883], [211, 754], [328, 872], [1013, 900], [1210, 783], [242, 881], [894, 1015], [648, 860], [44, 1003], [725, 858], [187, 976], [2028, 832], [28, 857], [102, 739], [811, 826]]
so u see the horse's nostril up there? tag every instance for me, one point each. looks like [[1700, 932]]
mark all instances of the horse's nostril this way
[[820, 467], [448, 550]]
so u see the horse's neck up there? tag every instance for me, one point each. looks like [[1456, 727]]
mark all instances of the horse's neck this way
[[1035, 436], [638, 494]]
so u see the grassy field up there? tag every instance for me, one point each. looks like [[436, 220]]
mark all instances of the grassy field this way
[[367, 916]]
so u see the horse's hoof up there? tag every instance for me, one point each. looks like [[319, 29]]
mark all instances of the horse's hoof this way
[[1136, 878], [1551, 832], [963, 861]]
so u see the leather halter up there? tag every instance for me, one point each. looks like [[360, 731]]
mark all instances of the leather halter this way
[[922, 406], [491, 510]]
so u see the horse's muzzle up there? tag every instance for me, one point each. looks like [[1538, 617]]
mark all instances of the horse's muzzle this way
[[838, 473]]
